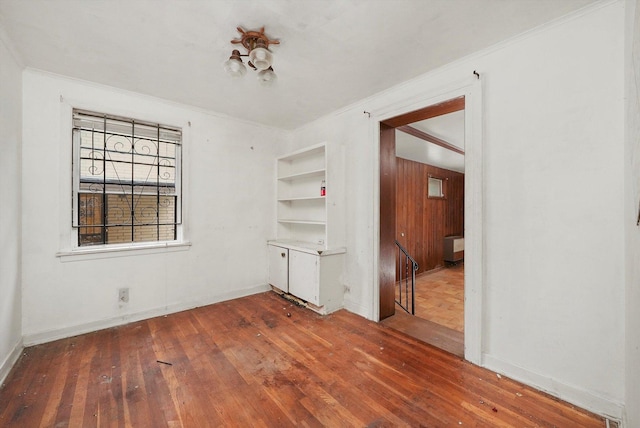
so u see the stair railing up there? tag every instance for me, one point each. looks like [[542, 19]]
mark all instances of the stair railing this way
[[407, 268]]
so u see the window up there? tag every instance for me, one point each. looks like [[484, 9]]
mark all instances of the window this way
[[435, 188], [126, 180]]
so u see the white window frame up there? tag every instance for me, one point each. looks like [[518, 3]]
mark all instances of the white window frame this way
[[69, 248], [435, 183]]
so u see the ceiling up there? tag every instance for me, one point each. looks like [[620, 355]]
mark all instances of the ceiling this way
[[332, 52], [448, 127]]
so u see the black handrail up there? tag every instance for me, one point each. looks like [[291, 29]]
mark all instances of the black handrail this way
[[405, 259]]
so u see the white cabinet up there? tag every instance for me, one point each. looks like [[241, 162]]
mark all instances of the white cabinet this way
[[303, 272], [279, 267], [312, 274], [311, 219]]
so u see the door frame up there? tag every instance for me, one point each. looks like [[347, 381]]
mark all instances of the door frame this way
[[471, 90]]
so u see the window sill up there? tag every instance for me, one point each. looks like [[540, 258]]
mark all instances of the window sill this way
[[123, 251]]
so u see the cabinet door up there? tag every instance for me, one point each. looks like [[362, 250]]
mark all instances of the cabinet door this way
[[279, 267], [304, 276]]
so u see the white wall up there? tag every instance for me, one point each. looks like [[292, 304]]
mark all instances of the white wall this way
[[228, 181], [10, 128], [553, 117], [632, 197]]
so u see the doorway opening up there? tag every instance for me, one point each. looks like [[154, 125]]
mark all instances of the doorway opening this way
[[422, 200]]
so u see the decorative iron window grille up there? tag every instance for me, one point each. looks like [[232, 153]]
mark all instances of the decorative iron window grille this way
[[126, 180]]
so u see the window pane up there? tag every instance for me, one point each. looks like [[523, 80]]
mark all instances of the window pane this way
[[145, 233], [145, 209], [435, 188], [90, 214], [167, 232], [167, 210], [133, 167], [90, 236], [118, 234], [90, 209], [145, 174], [118, 157], [119, 210]]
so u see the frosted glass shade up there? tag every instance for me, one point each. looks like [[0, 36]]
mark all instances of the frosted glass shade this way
[[261, 58], [235, 67], [267, 77]]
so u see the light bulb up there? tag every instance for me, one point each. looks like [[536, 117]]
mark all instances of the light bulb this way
[[234, 65], [261, 58], [267, 77]]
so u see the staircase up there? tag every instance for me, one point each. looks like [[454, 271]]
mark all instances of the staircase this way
[[406, 268]]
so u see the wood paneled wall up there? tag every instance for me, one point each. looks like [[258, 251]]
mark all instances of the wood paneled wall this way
[[426, 221]]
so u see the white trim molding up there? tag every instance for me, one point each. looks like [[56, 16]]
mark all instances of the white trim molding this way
[[75, 330], [578, 396], [471, 89], [10, 361]]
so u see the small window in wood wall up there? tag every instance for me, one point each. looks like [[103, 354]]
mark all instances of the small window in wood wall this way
[[436, 188]]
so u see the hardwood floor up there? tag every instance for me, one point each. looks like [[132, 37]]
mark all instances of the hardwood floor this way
[[439, 315], [427, 331], [440, 297], [247, 363]]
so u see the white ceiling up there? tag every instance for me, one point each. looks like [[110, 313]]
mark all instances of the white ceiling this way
[[448, 127], [332, 52]]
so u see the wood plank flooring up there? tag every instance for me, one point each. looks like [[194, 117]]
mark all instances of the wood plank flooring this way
[[246, 363], [427, 331], [439, 315], [440, 297]]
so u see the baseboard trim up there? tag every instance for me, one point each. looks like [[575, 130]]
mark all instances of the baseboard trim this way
[[572, 394], [357, 309], [10, 361], [63, 333]]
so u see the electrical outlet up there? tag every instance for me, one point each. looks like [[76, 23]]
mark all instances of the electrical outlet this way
[[123, 295]]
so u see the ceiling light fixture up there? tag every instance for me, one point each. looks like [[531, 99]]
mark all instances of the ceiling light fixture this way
[[260, 57]]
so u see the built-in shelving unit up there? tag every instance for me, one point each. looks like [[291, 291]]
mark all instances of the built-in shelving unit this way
[[306, 260], [302, 211]]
